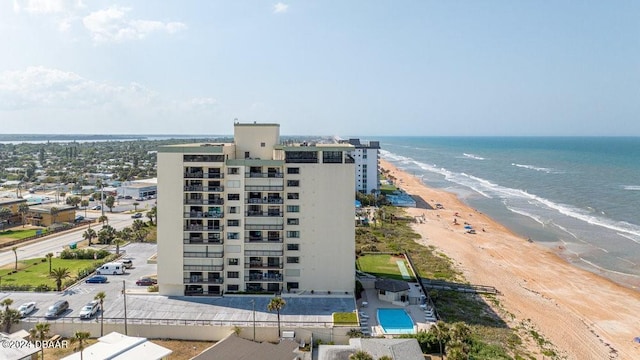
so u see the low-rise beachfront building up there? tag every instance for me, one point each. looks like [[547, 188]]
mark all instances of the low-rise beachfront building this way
[[366, 156], [255, 215], [395, 349], [393, 291], [12, 204], [118, 346], [139, 189]]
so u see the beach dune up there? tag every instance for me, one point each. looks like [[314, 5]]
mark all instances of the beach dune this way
[[584, 315]]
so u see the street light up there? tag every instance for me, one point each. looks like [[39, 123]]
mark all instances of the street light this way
[[124, 294], [253, 305]]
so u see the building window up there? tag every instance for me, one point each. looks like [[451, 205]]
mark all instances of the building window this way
[[332, 157], [233, 236], [293, 285], [293, 170], [293, 196], [293, 182], [247, 155], [293, 208], [293, 260], [293, 221], [233, 171], [232, 288], [262, 144], [293, 247], [233, 196], [233, 274], [234, 210], [233, 261], [293, 234], [233, 222]]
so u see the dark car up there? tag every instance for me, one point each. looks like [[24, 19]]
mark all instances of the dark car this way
[[79, 218], [146, 281], [57, 309], [98, 279], [128, 197], [136, 216]]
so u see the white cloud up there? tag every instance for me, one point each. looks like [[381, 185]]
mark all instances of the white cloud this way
[[112, 25], [280, 8], [42, 6]]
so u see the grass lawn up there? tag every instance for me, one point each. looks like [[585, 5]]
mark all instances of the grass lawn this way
[[19, 233], [344, 319], [382, 265], [35, 272]]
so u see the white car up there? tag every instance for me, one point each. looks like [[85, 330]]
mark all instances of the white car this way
[[27, 308], [89, 310]]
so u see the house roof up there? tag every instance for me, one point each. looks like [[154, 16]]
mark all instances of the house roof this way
[[117, 346], [392, 285], [397, 349], [18, 351], [236, 348]]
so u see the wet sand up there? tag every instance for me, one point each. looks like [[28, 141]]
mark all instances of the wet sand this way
[[584, 315]]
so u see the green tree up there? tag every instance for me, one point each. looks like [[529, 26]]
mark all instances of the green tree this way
[[106, 234], [135, 206], [85, 205], [360, 355], [54, 213], [137, 225], [81, 338], [42, 332], [110, 201], [440, 330], [49, 257], [89, 234], [100, 297], [74, 201], [153, 213], [277, 304], [23, 210], [103, 218], [118, 241], [8, 316], [58, 275], [5, 214]]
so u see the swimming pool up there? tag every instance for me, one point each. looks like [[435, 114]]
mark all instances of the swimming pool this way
[[395, 321]]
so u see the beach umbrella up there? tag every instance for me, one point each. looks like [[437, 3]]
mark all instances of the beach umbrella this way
[[467, 226], [637, 339]]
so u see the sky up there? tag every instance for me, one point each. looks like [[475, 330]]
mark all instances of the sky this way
[[345, 68]]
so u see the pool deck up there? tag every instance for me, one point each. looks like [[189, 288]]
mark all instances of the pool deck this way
[[369, 319]]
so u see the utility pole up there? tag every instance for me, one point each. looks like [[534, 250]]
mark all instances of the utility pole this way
[[102, 198], [124, 296], [253, 305]]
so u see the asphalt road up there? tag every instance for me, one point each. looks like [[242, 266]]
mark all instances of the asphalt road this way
[[57, 242]]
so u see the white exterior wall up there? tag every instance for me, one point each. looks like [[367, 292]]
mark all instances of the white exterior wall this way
[[251, 137], [170, 223], [369, 157]]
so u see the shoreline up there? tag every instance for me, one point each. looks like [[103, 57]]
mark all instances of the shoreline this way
[[584, 315]]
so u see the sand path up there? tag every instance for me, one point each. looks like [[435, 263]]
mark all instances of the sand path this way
[[584, 315]]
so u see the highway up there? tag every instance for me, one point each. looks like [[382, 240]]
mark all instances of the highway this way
[[57, 242]]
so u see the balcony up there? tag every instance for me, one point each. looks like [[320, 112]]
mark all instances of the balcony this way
[[198, 241], [200, 188], [203, 228], [203, 267], [263, 277], [200, 280], [263, 175], [202, 214], [264, 227], [262, 265], [259, 239], [264, 188], [204, 201], [263, 213], [193, 175], [264, 201], [214, 176], [212, 254]]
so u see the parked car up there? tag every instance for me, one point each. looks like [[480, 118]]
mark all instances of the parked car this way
[[146, 281], [139, 199], [27, 308], [98, 279], [90, 309], [57, 309], [97, 207], [79, 218], [128, 197], [136, 216], [113, 268], [128, 263]]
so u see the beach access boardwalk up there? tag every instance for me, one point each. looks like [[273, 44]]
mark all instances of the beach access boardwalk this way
[[453, 286]]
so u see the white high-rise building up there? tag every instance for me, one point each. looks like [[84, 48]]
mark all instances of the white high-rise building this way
[[366, 156], [255, 215]]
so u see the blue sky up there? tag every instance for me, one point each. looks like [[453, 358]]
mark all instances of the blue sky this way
[[348, 68]]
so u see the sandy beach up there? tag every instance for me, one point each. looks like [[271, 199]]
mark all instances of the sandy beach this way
[[584, 315]]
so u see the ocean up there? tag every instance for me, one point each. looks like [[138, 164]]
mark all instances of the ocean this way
[[577, 195]]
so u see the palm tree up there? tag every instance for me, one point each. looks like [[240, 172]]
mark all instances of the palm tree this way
[[110, 202], [385, 357], [54, 213], [49, 256], [5, 214], [106, 234], [440, 331], [135, 206], [6, 303], [152, 214], [9, 317], [360, 355], [23, 209], [15, 253], [100, 297], [42, 332], [81, 338], [89, 234], [103, 219], [277, 304], [58, 275], [118, 241]]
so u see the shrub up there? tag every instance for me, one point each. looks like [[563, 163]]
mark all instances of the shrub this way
[[42, 288], [68, 283], [152, 288]]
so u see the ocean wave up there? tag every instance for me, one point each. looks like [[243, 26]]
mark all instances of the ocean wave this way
[[489, 189], [531, 167], [631, 187], [472, 156]]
